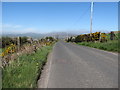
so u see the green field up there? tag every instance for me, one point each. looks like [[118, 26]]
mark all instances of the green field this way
[[24, 72], [0, 50], [109, 45]]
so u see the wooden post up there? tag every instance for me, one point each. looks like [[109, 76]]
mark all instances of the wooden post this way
[[18, 43]]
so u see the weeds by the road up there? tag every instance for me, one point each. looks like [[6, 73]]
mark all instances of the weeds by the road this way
[[109, 46], [0, 50], [23, 72]]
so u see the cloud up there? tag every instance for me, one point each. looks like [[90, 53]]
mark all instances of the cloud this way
[[30, 30], [10, 28], [17, 26]]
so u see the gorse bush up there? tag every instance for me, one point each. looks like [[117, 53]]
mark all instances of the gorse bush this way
[[109, 45], [8, 50], [6, 41], [97, 36]]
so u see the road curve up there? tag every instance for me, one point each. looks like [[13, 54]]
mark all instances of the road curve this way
[[75, 66]]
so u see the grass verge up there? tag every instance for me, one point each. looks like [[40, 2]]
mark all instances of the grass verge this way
[[109, 45], [24, 72], [0, 50]]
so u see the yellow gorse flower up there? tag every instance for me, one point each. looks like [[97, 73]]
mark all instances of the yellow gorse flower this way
[[9, 49]]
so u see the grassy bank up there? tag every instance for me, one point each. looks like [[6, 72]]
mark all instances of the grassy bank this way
[[23, 73], [109, 46], [0, 50]]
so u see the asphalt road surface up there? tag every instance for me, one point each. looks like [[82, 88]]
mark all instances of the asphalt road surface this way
[[75, 66]]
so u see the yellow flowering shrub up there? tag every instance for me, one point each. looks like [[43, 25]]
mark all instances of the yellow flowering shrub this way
[[9, 49]]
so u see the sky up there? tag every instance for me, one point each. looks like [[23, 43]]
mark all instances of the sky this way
[[46, 17]]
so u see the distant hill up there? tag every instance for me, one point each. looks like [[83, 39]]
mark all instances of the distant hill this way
[[60, 35], [33, 35]]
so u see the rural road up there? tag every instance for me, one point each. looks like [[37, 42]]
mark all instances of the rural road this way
[[75, 66]]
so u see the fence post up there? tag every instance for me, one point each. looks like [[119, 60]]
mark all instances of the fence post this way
[[18, 43]]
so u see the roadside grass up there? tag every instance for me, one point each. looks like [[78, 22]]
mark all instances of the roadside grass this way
[[109, 45], [0, 50], [24, 72]]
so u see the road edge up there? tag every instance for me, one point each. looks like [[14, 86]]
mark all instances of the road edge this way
[[44, 77]]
